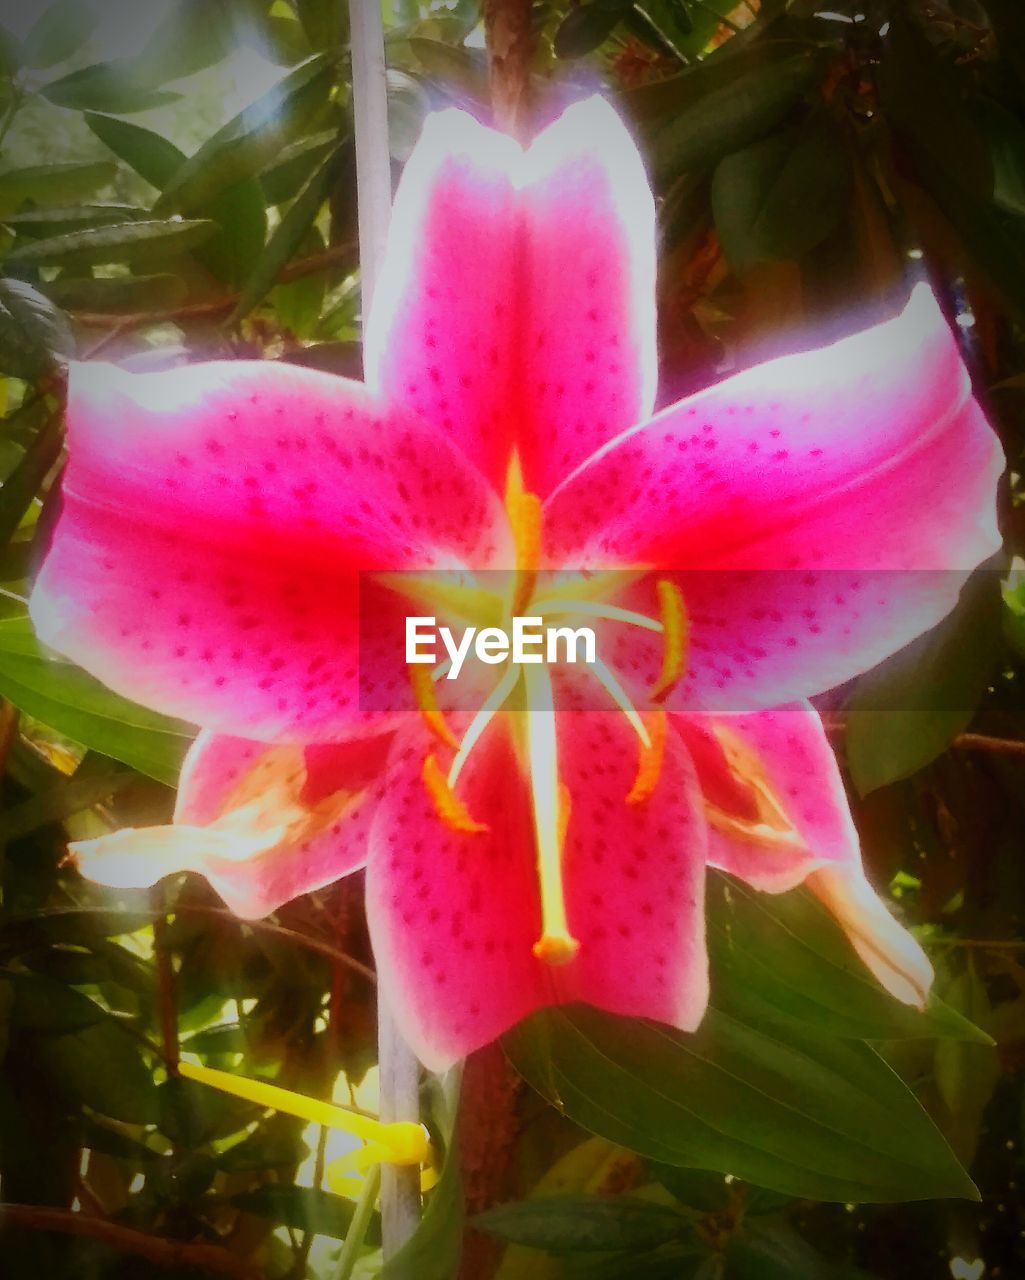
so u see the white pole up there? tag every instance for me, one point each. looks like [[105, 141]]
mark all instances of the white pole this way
[[400, 1188]]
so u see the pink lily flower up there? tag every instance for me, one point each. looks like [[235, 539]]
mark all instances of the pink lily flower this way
[[548, 844]]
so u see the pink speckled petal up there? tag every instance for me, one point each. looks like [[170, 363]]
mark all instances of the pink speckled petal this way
[[635, 877], [588, 344], [441, 335], [453, 915], [516, 305], [822, 460], [215, 521], [801, 770], [254, 859]]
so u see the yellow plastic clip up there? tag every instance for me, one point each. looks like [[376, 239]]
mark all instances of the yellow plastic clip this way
[[402, 1142]]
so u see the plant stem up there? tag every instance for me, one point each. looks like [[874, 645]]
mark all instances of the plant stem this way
[[357, 1231], [399, 1087]]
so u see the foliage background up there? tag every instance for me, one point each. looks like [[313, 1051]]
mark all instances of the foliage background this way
[[176, 180]]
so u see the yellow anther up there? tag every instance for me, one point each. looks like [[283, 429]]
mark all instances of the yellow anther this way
[[772, 828], [675, 638], [402, 1142], [649, 766], [426, 700], [447, 805]]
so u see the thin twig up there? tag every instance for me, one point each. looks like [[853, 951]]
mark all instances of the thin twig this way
[[280, 931], [157, 1249]]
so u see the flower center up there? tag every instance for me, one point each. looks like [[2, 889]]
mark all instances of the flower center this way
[[534, 721]]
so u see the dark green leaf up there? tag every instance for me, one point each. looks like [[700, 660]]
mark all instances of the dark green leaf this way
[[273, 1146], [296, 164], [582, 1223], [195, 34], [586, 27], [287, 237], [731, 115], [118, 295], [97, 1137], [194, 1114], [783, 954], [42, 1004], [906, 711], [60, 31], [774, 1251], [151, 156], [61, 695], [122, 242], [50, 182], [241, 218], [36, 333], [61, 218], [813, 1117], [301, 1208], [781, 196], [85, 788], [106, 86], [250, 141], [326, 22], [101, 1067]]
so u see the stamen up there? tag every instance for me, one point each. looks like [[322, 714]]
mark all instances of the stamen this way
[[676, 632], [423, 690], [621, 698], [597, 610], [649, 766], [481, 720], [773, 827], [525, 517], [556, 944], [449, 808]]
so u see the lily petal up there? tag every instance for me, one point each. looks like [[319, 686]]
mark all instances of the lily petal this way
[[262, 824], [516, 308], [454, 914], [588, 338], [215, 519], [441, 336], [816, 513], [634, 877], [800, 770]]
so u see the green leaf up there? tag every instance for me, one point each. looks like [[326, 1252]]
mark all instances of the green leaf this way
[[581, 1223], [150, 155], [780, 197], [42, 1004], [241, 218], [326, 22], [49, 182], [296, 164], [119, 295], [87, 787], [101, 1067], [287, 237], [194, 35], [122, 242], [586, 27], [60, 31], [905, 712], [36, 335], [813, 1117], [252, 139], [64, 697], [274, 1146], [784, 955], [106, 86], [301, 1208], [60, 218], [731, 115]]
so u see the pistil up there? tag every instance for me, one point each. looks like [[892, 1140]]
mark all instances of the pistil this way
[[556, 945]]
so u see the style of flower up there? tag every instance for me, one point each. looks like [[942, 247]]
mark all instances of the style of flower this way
[[753, 545]]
